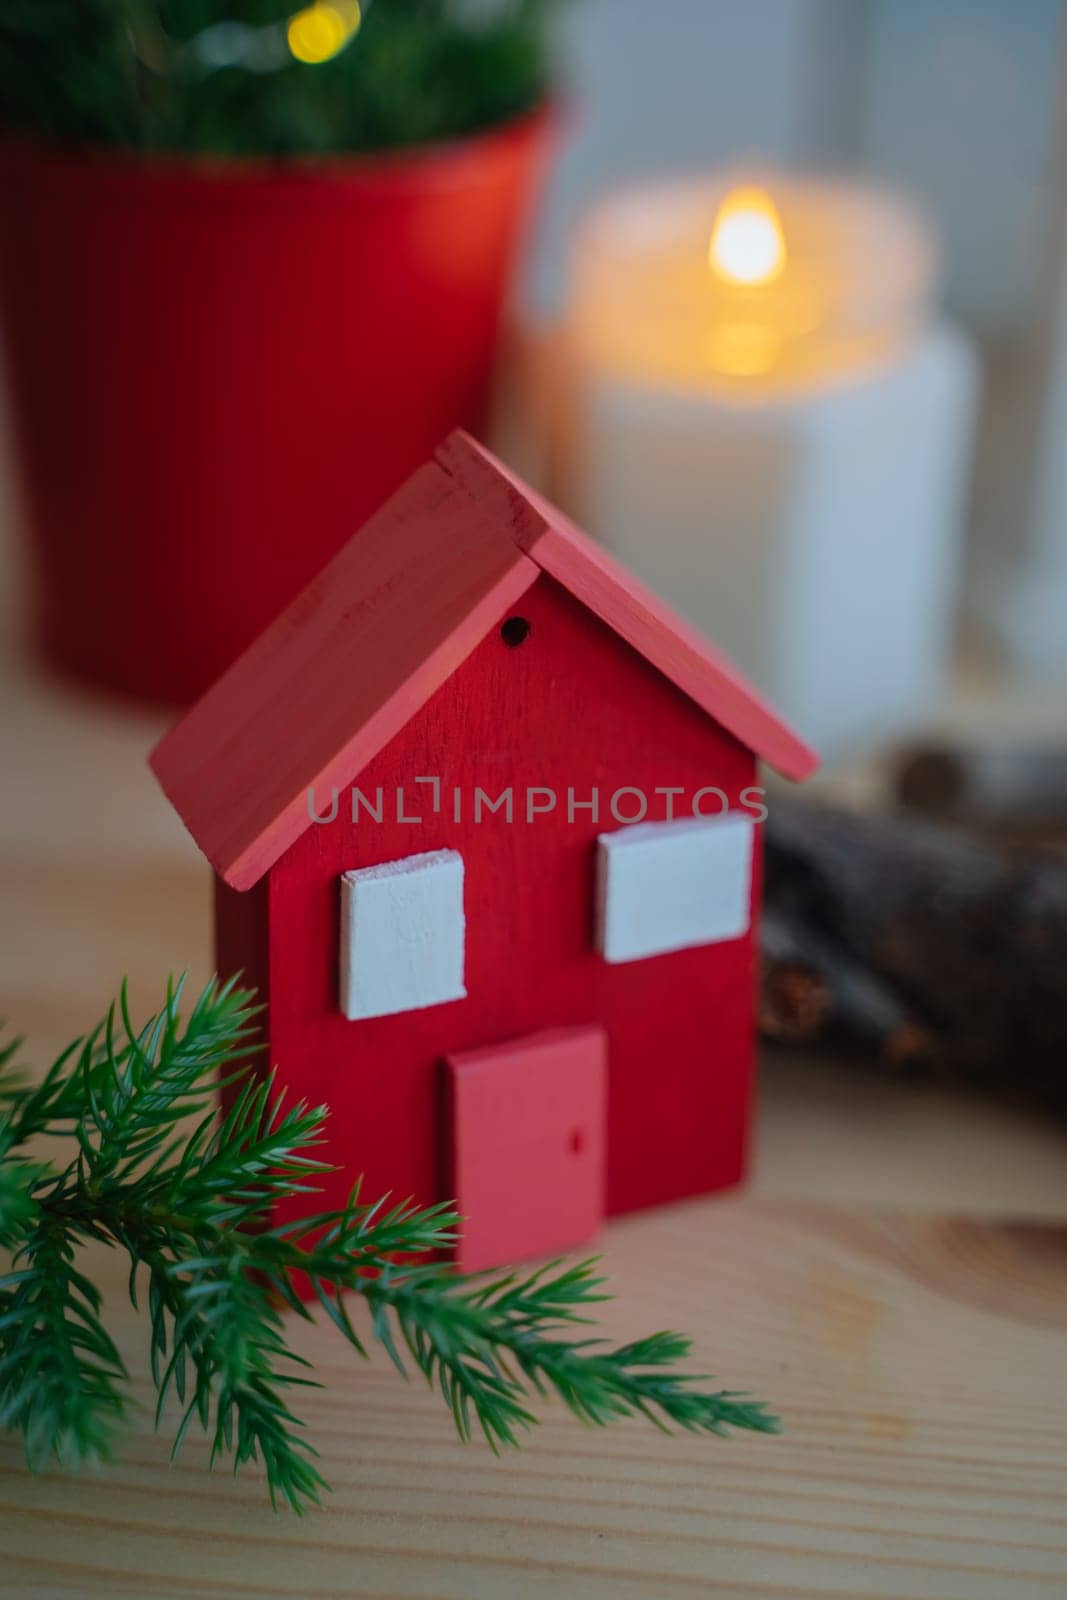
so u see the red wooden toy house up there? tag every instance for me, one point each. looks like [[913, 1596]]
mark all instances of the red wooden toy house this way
[[485, 826]]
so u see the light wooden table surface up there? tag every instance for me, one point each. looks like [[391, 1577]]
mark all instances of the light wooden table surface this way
[[895, 1283]]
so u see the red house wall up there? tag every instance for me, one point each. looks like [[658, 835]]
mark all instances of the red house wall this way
[[573, 707]]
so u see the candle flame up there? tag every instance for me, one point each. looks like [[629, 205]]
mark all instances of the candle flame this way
[[747, 244]]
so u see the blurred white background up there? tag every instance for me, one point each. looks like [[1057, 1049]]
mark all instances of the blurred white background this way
[[960, 103]]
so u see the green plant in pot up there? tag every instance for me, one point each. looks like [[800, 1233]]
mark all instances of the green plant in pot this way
[[253, 259]]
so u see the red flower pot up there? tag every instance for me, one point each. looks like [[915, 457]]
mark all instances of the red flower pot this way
[[219, 369]]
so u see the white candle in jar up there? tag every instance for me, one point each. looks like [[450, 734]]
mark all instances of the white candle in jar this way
[[773, 431]]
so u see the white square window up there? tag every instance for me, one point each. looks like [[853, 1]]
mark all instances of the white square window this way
[[402, 935], [671, 885]]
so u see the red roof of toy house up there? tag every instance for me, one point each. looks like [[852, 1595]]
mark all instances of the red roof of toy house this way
[[382, 626]]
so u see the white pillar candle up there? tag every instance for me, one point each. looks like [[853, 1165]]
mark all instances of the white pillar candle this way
[[774, 434]]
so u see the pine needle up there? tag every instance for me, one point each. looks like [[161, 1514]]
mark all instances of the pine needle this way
[[193, 1213]]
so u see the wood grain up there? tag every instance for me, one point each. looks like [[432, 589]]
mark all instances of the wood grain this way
[[918, 1365], [918, 1360]]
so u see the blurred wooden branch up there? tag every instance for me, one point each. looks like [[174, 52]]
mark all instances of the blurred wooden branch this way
[[994, 784], [916, 942]]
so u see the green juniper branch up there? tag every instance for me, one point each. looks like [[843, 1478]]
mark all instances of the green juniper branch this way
[[193, 1213]]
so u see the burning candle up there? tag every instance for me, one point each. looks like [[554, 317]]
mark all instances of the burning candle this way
[[773, 429]]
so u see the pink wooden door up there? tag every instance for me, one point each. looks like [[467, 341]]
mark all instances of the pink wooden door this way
[[526, 1133]]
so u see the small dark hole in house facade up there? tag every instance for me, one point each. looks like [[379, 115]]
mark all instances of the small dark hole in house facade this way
[[514, 631]]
